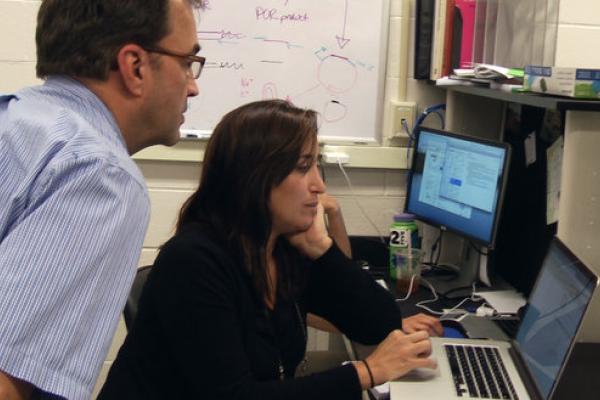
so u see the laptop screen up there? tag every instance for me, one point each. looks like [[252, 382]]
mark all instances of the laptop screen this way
[[554, 313]]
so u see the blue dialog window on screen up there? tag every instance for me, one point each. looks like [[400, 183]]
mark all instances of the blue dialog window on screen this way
[[457, 183]]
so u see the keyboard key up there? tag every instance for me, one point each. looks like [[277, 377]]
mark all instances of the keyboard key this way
[[479, 372]]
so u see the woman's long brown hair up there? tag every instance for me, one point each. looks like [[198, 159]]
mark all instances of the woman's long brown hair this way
[[251, 151]]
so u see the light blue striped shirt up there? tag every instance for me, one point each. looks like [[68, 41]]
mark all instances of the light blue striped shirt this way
[[73, 213]]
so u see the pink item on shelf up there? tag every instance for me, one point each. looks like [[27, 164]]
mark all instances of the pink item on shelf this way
[[466, 8]]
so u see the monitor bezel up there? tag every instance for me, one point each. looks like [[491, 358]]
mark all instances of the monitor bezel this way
[[505, 171]]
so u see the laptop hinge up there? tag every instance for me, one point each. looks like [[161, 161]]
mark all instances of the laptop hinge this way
[[524, 372]]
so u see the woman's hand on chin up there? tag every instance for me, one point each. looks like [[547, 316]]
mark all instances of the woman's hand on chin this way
[[315, 241]]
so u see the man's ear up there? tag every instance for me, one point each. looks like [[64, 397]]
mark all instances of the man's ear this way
[[134, 66]]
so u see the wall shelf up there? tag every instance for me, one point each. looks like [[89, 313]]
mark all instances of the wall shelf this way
[[531, 99], [377, 157]]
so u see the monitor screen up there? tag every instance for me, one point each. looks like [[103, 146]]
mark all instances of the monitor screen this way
[[457, 183]]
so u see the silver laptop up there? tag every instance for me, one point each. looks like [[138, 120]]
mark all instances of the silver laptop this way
[[528, 367]]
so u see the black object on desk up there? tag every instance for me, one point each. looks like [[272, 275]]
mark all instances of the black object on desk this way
[[370, 249], [510, 326], [580, 379], [453, 329]]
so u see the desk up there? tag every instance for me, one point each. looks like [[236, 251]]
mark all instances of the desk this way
[[409, 307], [478, 327], [579, 379]]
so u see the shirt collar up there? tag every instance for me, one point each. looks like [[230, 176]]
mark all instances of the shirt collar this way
[[81, 98]]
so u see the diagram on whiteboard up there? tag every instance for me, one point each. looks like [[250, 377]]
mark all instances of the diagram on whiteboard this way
[[327, 55]]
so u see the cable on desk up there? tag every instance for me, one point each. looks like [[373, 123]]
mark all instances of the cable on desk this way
[[422, 305], [450, 271], [410, 287], [442, 314], [446, 294], [477, 250], [437, 245]]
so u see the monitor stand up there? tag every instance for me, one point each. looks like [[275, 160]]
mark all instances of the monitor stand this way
[[472, 265], [484, 270]]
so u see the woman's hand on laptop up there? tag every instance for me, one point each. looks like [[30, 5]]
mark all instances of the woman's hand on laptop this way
[[422, 322], [397, 355]]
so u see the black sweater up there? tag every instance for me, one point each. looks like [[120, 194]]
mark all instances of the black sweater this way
[[202, 333]]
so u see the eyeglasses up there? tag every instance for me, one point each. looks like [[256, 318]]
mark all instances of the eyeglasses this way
[[196, 63]]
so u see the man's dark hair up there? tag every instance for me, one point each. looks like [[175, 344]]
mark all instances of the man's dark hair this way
[[82, 37]]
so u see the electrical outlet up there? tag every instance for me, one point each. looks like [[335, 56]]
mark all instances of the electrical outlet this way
[[402, 110]]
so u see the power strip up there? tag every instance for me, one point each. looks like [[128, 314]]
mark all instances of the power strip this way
[[332, 157]]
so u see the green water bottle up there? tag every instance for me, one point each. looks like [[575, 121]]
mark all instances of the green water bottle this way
[[405, 253]]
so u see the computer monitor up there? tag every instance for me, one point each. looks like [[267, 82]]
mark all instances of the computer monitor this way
[[457, 183]]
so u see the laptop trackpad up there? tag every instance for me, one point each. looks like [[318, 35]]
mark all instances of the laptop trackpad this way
[[421, 375]]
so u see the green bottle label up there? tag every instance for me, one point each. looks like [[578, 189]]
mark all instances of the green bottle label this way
[[400, 237]]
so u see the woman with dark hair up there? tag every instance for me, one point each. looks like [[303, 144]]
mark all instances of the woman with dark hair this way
[[223, 313]]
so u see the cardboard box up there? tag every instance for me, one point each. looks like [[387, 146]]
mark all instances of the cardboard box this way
[[581, 83]]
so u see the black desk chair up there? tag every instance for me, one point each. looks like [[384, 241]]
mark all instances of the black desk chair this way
[[131, 306]]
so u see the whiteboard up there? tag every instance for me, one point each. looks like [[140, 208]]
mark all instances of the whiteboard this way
[[327, 55]]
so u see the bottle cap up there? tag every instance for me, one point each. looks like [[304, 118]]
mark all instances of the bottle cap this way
[[404, 217]]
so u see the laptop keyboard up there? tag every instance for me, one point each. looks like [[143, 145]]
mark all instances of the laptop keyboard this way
[[479, 372]]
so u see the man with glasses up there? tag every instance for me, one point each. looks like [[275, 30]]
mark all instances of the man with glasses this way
[[195, 63], [74, 206]]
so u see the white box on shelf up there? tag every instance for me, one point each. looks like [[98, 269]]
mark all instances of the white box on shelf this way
[[582, 83]]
